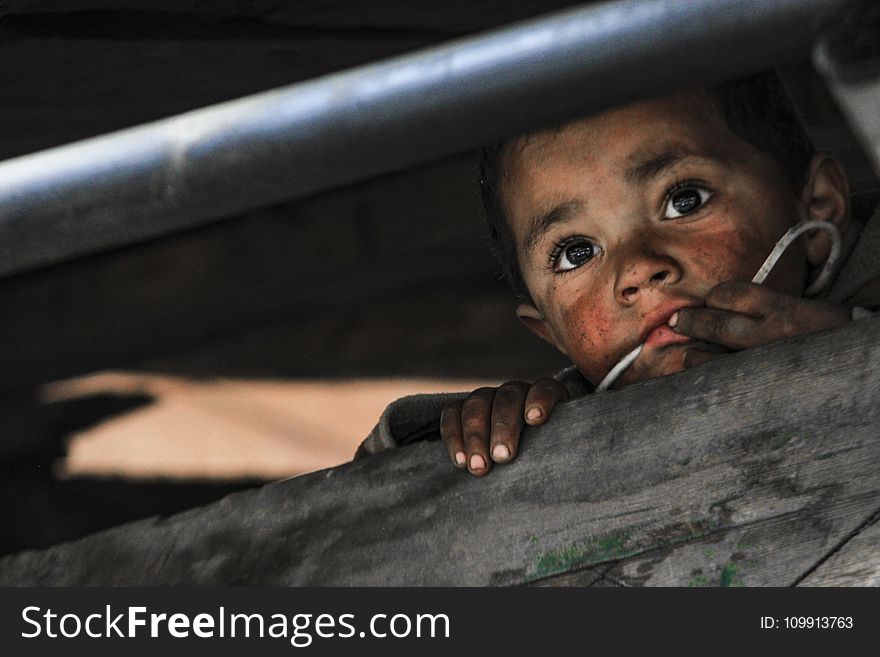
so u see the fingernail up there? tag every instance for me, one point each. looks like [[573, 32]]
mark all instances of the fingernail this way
[[500, 453], [534, 414], [674, 319], [477, 462], [460, 458]]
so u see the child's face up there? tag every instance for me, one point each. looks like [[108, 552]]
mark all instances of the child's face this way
[[623, 218]]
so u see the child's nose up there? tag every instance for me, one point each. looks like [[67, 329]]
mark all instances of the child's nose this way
[[644, 276]]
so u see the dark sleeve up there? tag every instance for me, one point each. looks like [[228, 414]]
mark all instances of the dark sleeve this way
[[574, 382], [407, 420]]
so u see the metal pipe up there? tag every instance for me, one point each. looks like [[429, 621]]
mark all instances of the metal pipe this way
[[215, 162]]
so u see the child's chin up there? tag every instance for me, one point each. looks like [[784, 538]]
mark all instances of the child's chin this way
[[672, 359]]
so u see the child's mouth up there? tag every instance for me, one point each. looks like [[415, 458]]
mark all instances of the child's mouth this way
[[657, 332], [662, 336]]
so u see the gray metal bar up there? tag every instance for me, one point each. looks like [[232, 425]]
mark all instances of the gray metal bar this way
[[184, 171]]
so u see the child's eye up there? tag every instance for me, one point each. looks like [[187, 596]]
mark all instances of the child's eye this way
[[684, 199], [573, 253]]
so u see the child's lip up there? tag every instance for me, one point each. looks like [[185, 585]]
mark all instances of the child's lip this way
[[657, 332], [663, 335]]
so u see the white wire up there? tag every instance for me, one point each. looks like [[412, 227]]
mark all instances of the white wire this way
[[617, 370], [784, 242]]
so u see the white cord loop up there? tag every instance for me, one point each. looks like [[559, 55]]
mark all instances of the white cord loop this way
[[784, 242], [793, 233]]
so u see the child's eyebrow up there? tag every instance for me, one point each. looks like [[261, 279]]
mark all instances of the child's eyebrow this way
[[640, 172], [540, 224], [651, 167]]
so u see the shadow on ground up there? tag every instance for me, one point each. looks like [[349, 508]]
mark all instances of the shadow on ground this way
[[38, 509]]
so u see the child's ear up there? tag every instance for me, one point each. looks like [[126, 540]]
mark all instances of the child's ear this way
[[533, 320], [825, 197]]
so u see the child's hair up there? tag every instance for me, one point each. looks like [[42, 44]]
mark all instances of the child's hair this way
[[756, 108]]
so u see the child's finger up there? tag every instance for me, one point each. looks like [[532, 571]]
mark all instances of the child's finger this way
[[507, 420], [476, 413], [730, 329], [542, 398], [744, 297], [450, 433]]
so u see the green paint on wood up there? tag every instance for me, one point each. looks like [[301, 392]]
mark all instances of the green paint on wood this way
[[770, 440], [598, 550], [727, 575], [698, 581], [745, 542], [613, 547], [781, 441], [720, 504]]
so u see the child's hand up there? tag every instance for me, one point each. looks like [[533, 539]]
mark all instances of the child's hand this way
[[485, 427], [740, 315]]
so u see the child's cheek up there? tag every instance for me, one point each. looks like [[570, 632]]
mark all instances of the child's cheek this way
[[725, 255], [590, 335]]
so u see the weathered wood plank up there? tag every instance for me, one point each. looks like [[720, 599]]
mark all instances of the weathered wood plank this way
[[750, 470], [760, 527], [856, 563]]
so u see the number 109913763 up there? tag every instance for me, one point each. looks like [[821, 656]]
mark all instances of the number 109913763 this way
[[807, 623]]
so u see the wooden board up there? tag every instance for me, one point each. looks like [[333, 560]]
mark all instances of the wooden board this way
[[855, 563], [749, 470]]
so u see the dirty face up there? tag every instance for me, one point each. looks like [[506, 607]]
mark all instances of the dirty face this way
[[623, 218]]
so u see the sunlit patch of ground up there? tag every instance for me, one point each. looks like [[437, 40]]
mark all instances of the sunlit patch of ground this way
[[229, 429]]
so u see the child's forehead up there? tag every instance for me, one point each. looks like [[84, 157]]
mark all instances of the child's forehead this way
[[689, 120]]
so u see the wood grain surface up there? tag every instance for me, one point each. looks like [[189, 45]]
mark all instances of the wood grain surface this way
[[759, 468]]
